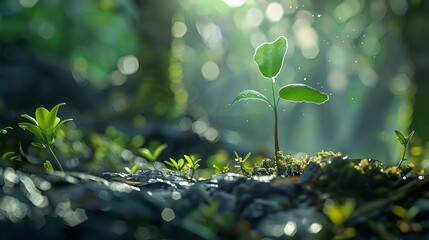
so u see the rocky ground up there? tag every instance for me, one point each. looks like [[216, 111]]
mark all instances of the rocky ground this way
[[336, 199]]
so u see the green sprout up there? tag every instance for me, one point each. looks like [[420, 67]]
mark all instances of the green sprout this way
[[404, 142], [241, 161], [4, 130], [269, 58], [45, 127], [191, 164], [133, 169], [152, 156], [221, 169]]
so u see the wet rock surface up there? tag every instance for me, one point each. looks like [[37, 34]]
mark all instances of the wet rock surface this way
[[153, 204]]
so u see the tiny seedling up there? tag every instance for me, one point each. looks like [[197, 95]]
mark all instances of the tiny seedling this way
[[191, 164], [241, 161], [404, 142], [45, 127], [4, 130], [221, 169], [269, 58], [133, 169], [152, 156]]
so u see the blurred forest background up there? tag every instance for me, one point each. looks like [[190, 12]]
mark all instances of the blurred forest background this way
[[142, 73]]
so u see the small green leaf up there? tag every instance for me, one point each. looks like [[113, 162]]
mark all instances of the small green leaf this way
[[147, 154], [48, 166], [250, 94], [30, 118], [6, 155], [38, 145], [134, 168], [51, 118], [246, 157], [33, 129], [401, 137], [302, 93], [159, 150], [189, 160], [269, 57], [410, 135], [41, 116]]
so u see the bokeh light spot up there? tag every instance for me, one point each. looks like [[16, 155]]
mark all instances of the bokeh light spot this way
[[235, 3], [28, 3], [168, 214], [210, 71], [274, 12], [179, 29], [128, 65]]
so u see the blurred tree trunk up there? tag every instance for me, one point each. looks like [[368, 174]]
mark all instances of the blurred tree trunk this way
[[153, 27], [417, 38]]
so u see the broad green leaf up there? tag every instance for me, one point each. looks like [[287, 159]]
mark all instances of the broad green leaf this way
[[249, 94], [269, 57], [41, 116], [51, 118], [48, 166], [302, 93], [33, 129], [401, 137]]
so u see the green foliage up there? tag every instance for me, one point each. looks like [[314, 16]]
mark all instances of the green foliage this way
[[302, 93], [185, 164], [9, 155], [404, 142], [133, 169], [45, 127], [178, 165], [269, 58], [241, 161], [221, 169], [152, 156]]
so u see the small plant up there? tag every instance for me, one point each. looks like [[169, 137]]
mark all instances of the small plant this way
[[191, 164], [404, 142], [221, 169], [133, 169], [269, 58], [8, 155], [45, 127], [241, 161], [152, 156]]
